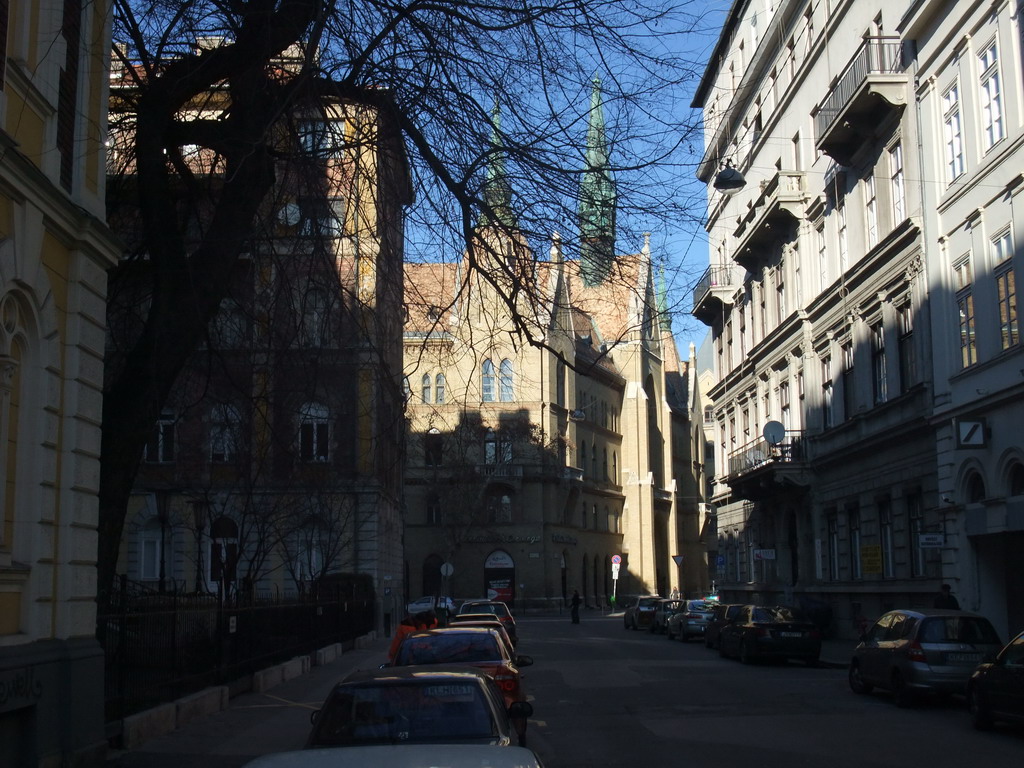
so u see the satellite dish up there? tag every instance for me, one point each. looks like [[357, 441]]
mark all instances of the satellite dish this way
[[774, 432]]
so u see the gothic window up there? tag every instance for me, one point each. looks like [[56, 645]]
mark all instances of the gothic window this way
[[487, 382], [439, 387], [506, 392], [425, 388]]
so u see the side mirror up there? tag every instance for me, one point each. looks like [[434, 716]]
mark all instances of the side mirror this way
[[520, 710], [385, 665], [524, 661], [313, 715]]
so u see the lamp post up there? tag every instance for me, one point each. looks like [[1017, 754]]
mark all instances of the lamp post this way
[[161, 513]]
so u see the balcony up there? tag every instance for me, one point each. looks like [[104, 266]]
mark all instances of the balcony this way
[[769, 218], [761, 469], [872, 85], [711, 293]]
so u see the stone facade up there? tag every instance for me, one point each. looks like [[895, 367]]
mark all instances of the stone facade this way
[[837, 274], [54, 253]]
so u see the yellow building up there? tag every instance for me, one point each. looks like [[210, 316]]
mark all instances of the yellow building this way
[[54, 253], [531, 465]]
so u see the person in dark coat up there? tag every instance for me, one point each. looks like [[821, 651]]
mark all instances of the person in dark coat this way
[[575, 606], [946, 599], [417, 623]]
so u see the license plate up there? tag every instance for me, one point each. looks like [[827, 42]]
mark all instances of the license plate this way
[[791, 634], [971, 658]]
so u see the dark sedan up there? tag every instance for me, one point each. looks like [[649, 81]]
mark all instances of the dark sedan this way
[[770, 631], [721, 614], [996, 689]]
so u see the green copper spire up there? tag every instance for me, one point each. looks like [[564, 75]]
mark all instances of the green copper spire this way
[[497, 192], [597, 199]]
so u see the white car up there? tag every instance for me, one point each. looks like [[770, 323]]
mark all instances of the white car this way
[[430, 604], [404, 756]]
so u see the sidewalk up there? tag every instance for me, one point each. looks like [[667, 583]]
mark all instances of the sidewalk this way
[[253, 723]]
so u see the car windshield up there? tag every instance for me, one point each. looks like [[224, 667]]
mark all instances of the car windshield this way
[[422, 711], [958, 629], [776, 614], [493, 608], [698, 605], [647, 602], [449, 648]]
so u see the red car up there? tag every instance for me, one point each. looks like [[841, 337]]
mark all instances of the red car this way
[[496, 608], [478, 647]]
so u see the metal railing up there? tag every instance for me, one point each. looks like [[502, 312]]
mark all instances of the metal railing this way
[[760, 452], [159, 647], [712, 278], [876, 55]]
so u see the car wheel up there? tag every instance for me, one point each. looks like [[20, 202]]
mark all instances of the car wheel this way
[[981, 718], [901, 692], [669, 633], [857, 682], [745, 656]]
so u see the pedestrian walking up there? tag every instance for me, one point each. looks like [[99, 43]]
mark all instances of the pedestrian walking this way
[[946, 598], [575, 606], [416, 623]]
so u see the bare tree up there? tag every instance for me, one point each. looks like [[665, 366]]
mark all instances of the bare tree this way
[[434, 70]]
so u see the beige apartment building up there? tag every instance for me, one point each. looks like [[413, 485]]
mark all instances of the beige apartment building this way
[[861, 301], [55, 250], [532, 467]]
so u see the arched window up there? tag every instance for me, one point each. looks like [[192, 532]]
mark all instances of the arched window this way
[[160, 446], [487, 382], [406, 389], [593, 460], [490, 447], [1016, 484], [604, 463], [439, 388], [583, 456], [506, 394], [314, 433], [500, 508], [433, 448], [975, 488], [615, 468], [425, 388]]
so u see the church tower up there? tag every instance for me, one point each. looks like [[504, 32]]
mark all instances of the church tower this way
[[597, 199]]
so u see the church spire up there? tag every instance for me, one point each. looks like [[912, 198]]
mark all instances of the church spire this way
[[497, 191], [597, 198]]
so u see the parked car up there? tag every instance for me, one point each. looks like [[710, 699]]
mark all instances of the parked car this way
[[483, 620], [496, 608], [910, 652], [691, 621], [478, 647], [721, 614], [663, 610], [415, 705], [429, 603], [996, 688], [640, 612], [770, 631], [403, 756]]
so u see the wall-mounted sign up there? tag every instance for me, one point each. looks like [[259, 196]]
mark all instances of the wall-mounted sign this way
[[931, 540], [764, 554]]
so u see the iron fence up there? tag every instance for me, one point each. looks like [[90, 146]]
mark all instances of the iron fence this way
[[161, 646]]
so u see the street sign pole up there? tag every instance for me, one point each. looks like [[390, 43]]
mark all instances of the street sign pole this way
[[616, 560]]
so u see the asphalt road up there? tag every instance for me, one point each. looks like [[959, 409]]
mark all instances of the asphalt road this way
[[604, 696]]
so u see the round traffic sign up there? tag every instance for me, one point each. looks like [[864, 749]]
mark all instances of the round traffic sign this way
[[616, 559], [447, 569]]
